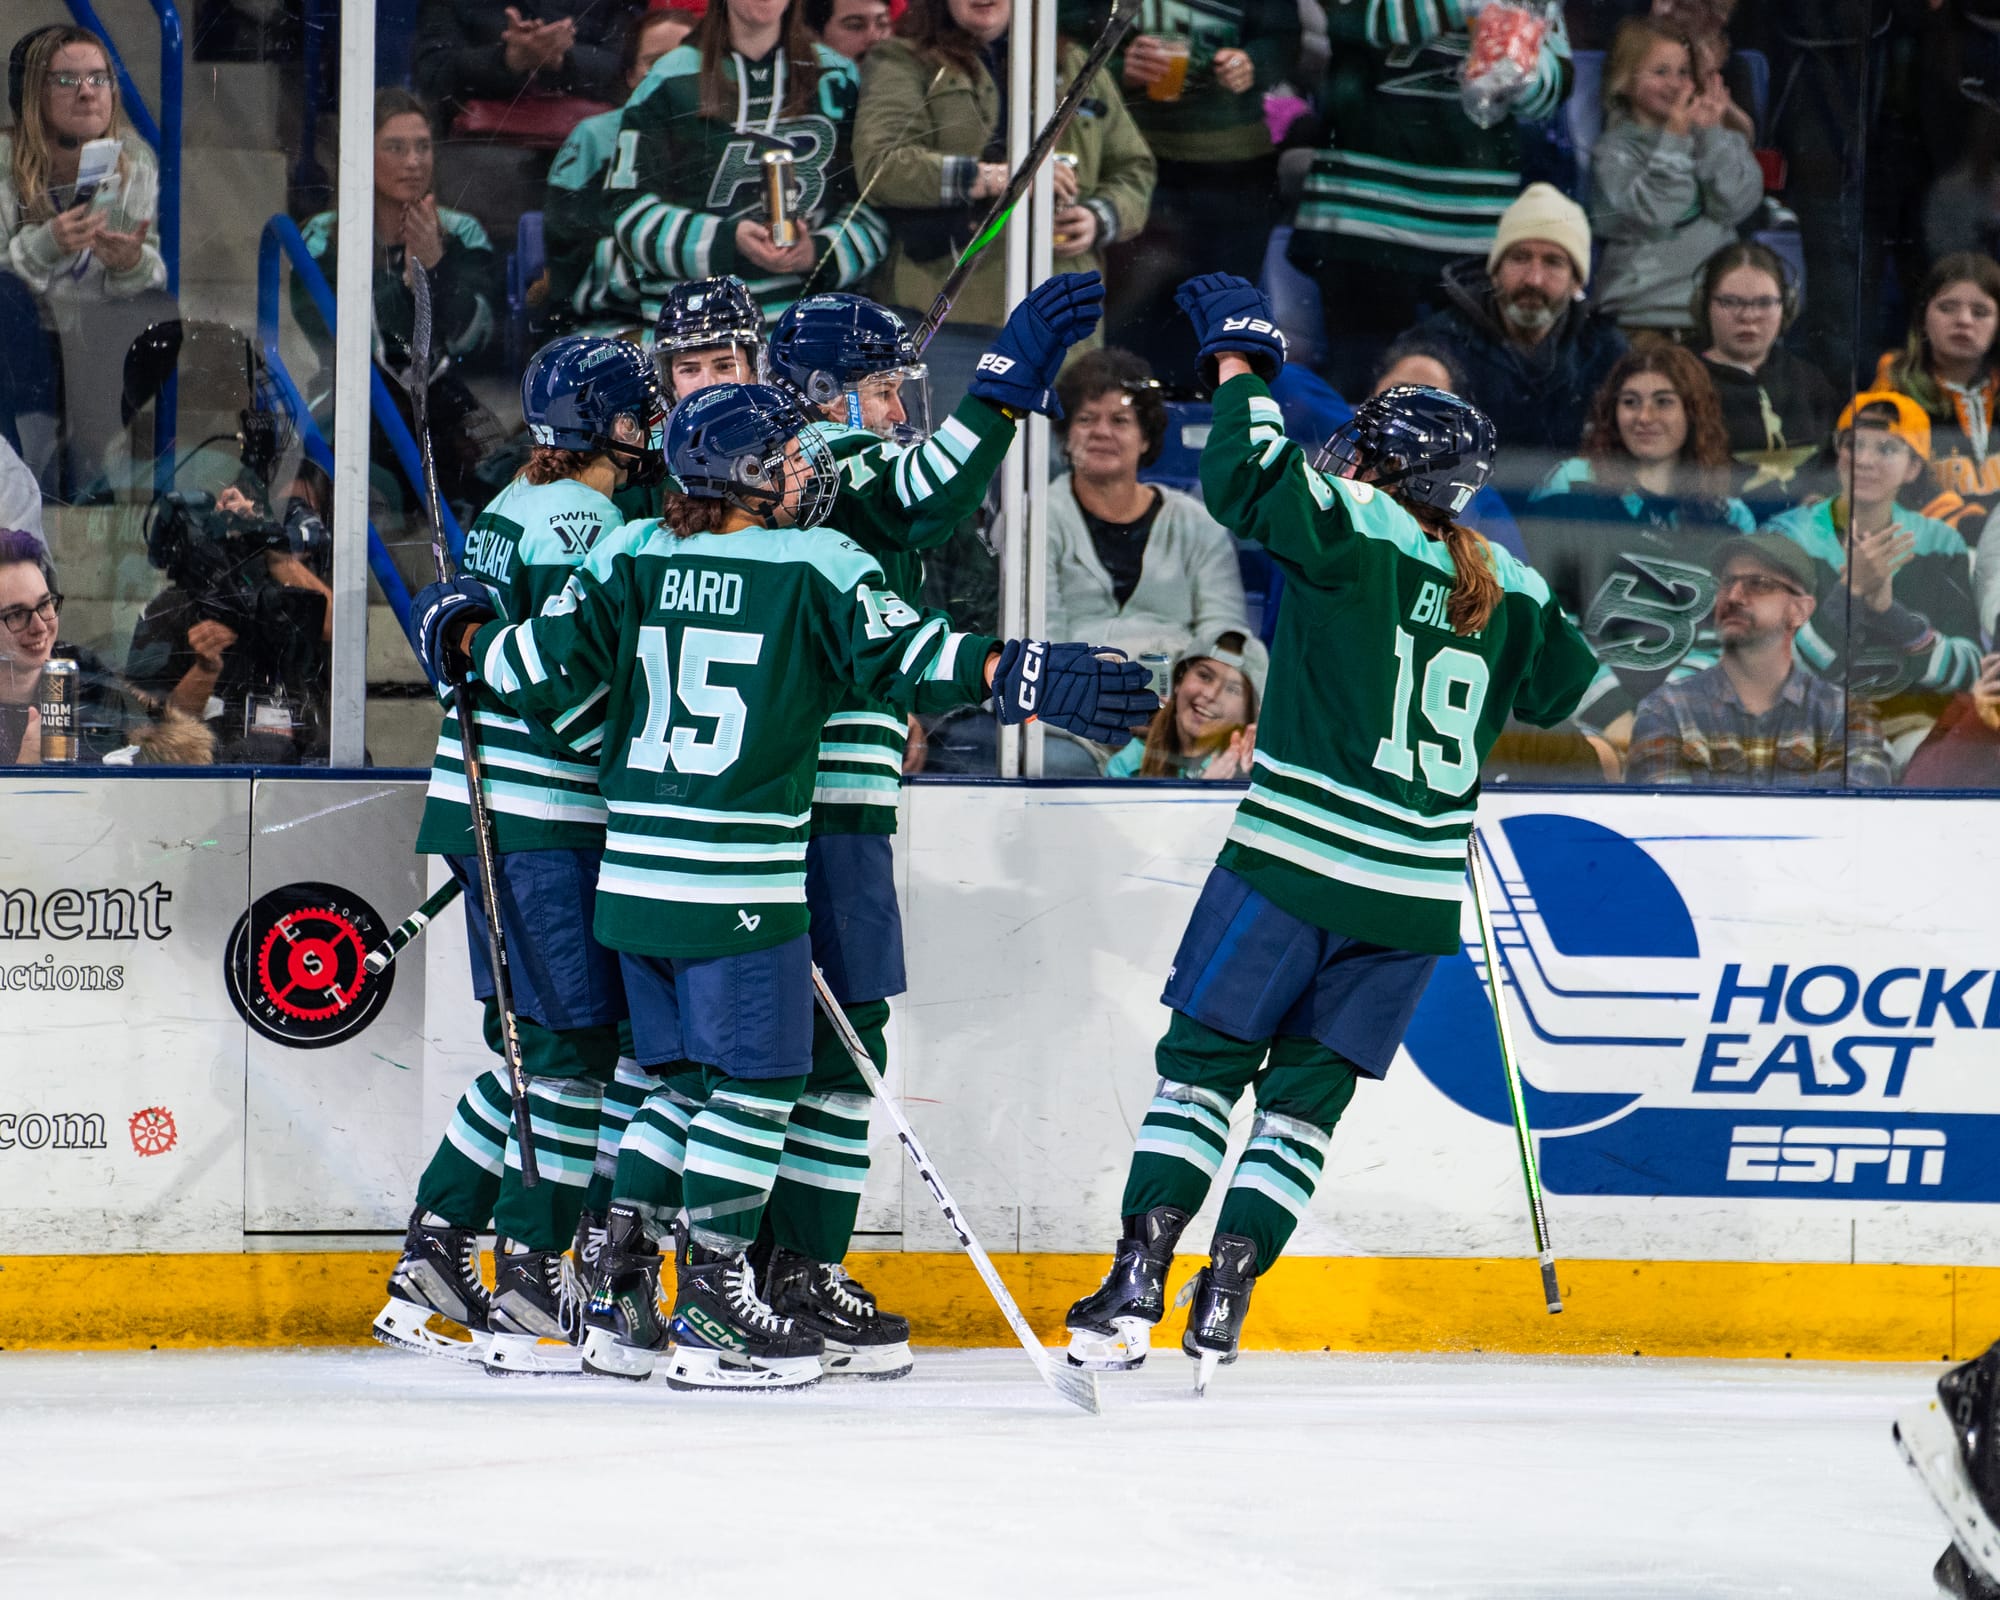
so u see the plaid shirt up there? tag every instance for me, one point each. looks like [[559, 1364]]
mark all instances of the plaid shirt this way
[[1696, 732]]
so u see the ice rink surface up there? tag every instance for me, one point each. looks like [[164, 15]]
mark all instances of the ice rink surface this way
[[373, 1473]]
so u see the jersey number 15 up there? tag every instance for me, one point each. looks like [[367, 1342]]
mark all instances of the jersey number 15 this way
[[658, 741]]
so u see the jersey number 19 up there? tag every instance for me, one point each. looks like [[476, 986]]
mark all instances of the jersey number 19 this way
[[1454, 691]]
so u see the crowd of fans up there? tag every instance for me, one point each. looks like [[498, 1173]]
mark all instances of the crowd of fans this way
[[1658, 276]]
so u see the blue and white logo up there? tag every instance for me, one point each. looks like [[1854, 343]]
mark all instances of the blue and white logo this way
[[1660, 1063]]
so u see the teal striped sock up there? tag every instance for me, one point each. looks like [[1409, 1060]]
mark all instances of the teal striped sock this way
[[734, 1146], [563, 1113], [462, 1182], [1273, 1183], [821, 1174], [652, 1156], [1180, 1148], [622, 1098]]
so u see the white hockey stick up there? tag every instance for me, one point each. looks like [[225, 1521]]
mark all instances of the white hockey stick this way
[[1076, 1386]]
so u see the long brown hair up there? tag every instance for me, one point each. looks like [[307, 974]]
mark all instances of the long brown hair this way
[[711, 38], [936, 36], [1475, 590], [688, 515], [1164, 755], [1910, 368], [548, 465], [1706, 448], [30, 160]]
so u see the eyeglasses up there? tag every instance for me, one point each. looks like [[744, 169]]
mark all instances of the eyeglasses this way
[[70, 82], [1753, 583], [1745, 305], [17, 618]]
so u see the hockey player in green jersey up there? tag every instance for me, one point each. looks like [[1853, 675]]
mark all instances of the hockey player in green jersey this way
[[717, 642], [1405, 643], [594, 409], [689, 191]]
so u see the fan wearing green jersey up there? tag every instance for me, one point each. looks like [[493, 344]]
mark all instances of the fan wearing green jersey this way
[[594, 409], [1405, 643], [689, 191], [717, 641]]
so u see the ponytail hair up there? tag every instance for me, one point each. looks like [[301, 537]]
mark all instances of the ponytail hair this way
[[1476, 593]]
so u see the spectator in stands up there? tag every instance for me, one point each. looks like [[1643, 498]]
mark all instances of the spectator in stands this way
[[1208, 726], [1896, 620], [579, 255], [466, 297], [1669, 183], [1408, 184], [1196, 93], [1532, 353], [853, 27], [20, 495], [1757, 719], [931, 145], [1948, 368], [494, 50], [1776, 408], [1624, 532], [92, 259], [1962, 750], [1131, 564]]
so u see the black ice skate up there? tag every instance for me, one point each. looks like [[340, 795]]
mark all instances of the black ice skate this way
[[1953, 1446], [586, 1252], [1109, 1331], [725, 1337], [623, 1330], [437, 1300], [861, 1340], [536, 1319], [1955, 1576], [1221, 1296]]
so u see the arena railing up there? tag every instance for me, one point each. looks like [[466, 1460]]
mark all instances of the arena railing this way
[[164, 135]]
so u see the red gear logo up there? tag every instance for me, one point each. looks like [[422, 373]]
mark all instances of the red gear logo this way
[[321, 960], [153, 1131], [296, 965]]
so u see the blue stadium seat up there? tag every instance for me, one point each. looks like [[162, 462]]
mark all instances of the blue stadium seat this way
[[1585, 111], [1758, 65], [525, 264], [1179, 466]]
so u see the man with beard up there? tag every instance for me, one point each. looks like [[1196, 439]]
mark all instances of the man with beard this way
[[1532, 353], [1757, 718]]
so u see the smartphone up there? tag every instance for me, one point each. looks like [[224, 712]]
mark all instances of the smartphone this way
[[97, 161]]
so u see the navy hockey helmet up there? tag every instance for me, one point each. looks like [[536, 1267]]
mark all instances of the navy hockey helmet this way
[[729, 442], [702, 313], [1421, 443], [841, 353], [577, 387]]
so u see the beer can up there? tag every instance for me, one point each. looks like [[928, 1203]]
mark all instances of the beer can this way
[[56, 701], [1159, 672], [778, 198]]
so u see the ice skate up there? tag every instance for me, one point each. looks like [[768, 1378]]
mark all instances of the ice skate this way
[[623, 1330], [586, 1252], [536, 1318], [725, 1337], [1110, 1330], [861, 1341], [1953, 1445], [438, 1303], [1955, 1576], [1220, 1293]]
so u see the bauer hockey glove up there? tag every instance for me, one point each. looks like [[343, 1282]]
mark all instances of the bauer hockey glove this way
[[1232, 317], [1019, 371], [438, 613], [1084, 689]]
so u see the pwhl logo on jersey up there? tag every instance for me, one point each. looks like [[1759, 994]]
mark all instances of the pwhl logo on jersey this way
[[1722, 1073], [294, 965]]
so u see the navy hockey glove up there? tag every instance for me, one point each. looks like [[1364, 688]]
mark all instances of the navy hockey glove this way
[[1084, 689], [438, 613], [1232, 317], [1019, 371]]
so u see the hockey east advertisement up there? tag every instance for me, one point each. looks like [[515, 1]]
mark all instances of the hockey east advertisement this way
[[1752, 1028]]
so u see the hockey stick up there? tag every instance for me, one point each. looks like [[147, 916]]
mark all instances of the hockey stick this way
[[406, 931], [464, 702], [1517, 1100], [1076, 1386], [1124, 18]]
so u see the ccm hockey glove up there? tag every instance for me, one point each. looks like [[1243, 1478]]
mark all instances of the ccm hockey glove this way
[[1019, 371], [437, 614], [1232, 317], [1093, 692]]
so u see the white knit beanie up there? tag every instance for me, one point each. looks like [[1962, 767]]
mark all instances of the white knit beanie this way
[[1542, 211]]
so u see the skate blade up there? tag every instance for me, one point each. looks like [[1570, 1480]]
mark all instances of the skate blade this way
[[422, 1331], [1122, 1351], [605, 1357], [882, 1363], [693, 1369], [1930, 1447], [1205, 1365], [525, 1355]]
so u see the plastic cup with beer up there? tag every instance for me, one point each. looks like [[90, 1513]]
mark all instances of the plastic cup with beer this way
[[1169, 84]]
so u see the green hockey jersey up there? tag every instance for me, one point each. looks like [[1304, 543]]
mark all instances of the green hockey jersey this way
[[717, 660], [542, 794], [896, 501], [679, 182], [1377, 714]]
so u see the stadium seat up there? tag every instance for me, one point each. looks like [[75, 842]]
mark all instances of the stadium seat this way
[[527, 262], [1179, 466], [1585, 111], [1758, 65]]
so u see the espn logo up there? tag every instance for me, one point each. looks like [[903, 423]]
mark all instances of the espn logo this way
[[1833, 1155]]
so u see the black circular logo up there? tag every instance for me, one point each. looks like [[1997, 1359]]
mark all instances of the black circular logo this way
[[294, 965]]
